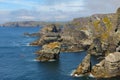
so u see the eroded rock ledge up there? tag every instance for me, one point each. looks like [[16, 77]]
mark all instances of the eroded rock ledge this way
[[49, 52], [109, 67]]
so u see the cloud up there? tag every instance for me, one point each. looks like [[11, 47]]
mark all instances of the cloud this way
[[26, 17], [53, 10], [63, 6]]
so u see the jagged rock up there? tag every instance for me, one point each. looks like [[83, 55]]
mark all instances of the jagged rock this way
[[84, 68], [96, 47], [109, 67], [49, 52], [50, 28], [73, 39], [49, 33]]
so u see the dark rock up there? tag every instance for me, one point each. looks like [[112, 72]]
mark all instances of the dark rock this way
[[48, 34], [96, 47], [84, 68]]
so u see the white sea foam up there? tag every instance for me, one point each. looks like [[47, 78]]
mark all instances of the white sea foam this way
[[72, 72], [35, 60], [27, 44], [90, 75], [75, 75], [52, 60]]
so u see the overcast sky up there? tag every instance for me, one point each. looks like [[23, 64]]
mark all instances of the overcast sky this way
[[53, 10]]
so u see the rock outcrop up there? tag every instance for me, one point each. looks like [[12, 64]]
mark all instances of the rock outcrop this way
[[96, 47], [49, 33], [74, 40], [105, 37], [84, 68], [49, 52], [109, 67], [50, 41]]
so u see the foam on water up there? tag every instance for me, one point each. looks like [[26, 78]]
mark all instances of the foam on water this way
[[35, 60], [90, 75], [75, 74], [71, 74]]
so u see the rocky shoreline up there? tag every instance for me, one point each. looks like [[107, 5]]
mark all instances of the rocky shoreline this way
[[99, 35]]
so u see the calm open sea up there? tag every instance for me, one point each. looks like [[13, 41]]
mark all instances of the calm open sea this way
[[17, 59]]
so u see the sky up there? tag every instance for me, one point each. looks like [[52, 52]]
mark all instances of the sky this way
[[53, 10]]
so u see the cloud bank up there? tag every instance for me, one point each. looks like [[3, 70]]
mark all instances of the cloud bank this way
[[53, 10]]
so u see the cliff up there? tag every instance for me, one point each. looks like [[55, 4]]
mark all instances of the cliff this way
[[105, 34], [98, 34]]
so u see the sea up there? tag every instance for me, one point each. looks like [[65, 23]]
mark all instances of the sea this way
[[17, 59]]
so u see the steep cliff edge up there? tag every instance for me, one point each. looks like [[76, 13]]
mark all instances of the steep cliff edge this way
[[106, 43]]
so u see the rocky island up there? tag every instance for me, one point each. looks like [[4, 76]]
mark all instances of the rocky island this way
[[98, 34]]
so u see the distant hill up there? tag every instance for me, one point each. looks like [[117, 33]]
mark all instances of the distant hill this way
[[29, 24]]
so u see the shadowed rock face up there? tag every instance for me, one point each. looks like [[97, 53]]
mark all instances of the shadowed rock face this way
[[109, 67], [73, 39], [84, 68], [49, 33], [96, 47], [118, 20], [49, 52]]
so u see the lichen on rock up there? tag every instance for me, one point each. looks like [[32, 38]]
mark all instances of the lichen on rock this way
[[109, 67], [49, 52]]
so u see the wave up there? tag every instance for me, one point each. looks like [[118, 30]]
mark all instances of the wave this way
[[75, 75], [90, 75], [52, 60], [35, 60]]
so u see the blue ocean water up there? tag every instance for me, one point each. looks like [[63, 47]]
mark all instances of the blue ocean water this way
[[17, 59]]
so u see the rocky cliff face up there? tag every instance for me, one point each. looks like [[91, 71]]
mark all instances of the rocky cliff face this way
[[109, 67], [98, 34], [49, 33], [84, 68], [74, 39], [49, 52], [105, 43], [50, 41]]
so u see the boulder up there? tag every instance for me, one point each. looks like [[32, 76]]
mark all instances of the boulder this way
[[49, 52], [84, 68], [109, 67]]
